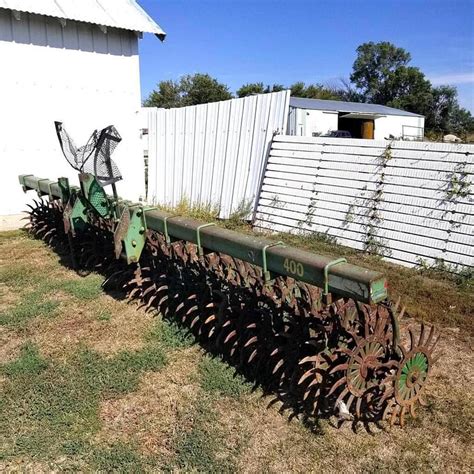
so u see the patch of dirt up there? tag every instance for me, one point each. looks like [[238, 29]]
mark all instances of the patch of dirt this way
[[10, 344], [80, 324], [149, 416], [8, 299]]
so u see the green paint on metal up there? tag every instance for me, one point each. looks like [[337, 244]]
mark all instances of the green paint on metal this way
[[266, 273], [79, 214], [39, 191], [165, 229], [98, 199], [22, 178], [326, 272], [346, 280], [198, 236], [135, 237], [95, 195], [415, 370], [63, 184], [378, 290]]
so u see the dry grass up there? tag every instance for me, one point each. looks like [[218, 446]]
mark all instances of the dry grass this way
[[438, 440], [116, 407], [150, 416]]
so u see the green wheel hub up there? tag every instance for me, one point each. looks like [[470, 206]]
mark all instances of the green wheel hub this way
[[411, 377]]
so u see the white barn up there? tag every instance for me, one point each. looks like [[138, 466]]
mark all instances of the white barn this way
[[71, 61], [315, 117]]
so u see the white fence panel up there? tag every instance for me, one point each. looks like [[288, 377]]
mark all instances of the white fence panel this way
[[405, 200], [213, 153]]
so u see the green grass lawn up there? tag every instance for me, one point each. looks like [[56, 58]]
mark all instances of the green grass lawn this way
[[90, 383]]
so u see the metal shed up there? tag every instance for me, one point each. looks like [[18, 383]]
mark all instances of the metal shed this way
[[316, 117], [75, 62]]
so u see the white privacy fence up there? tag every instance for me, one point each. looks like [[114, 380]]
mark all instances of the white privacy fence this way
[[404, 200], [212, 153]]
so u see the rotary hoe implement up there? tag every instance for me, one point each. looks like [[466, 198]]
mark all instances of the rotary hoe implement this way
[[320, 334]]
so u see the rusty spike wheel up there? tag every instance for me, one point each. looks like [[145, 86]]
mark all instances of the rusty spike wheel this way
[[363, 364], [412, 373]]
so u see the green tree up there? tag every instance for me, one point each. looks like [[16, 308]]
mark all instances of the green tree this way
[[313, 91], [446, 114], [382, 75], [375, 64], [258, 88], [408, 89], [202, 89], [190, 90], [168, 95], [345, 90], [251, 88]]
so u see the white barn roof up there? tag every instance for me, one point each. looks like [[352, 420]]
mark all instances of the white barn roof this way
[[125, 14], [347, 107]]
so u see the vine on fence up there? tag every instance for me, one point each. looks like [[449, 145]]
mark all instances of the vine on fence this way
[[458, 184], [368, 215]]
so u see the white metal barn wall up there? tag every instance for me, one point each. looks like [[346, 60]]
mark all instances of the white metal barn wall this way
[[74, 73], [213, 153], [404, 200]]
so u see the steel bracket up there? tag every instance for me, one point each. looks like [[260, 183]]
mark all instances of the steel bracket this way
[[131, 231], [266, 273], [63, 184], [78, 214], [331, 264], [95, 195], [165, 229], [198, 237]]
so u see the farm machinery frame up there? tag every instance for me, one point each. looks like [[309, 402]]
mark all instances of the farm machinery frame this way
[[320, 333]]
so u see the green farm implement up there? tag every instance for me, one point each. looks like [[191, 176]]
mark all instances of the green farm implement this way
[[319, 333]]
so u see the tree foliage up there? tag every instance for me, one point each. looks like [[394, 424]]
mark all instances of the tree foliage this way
[[313, 91], [382, 75], [375, 64], [189, 90], [258, 88]]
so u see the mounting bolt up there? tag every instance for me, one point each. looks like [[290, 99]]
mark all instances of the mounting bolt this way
[[134, 243], [142, 230]]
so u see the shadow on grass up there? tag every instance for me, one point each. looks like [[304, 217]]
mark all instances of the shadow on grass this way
[[242, 309]]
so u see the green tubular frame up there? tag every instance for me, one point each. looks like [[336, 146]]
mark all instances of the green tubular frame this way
[[346, 279]]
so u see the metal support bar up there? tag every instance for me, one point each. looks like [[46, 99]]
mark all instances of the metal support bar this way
[[198, 236], [346, 280], [38, 191], [165, 229], [22, 181], [266, 273], [326, 272], [50, 193], [145, 210]]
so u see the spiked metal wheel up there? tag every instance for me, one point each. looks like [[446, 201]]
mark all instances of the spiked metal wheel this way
[[411, 376]]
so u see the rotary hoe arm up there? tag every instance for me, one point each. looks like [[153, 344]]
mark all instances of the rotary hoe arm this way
[[318, 331]]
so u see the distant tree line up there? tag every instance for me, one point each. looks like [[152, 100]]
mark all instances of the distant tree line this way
[[381, 74]]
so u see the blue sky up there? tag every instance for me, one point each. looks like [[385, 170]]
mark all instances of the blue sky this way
[[276, 41]]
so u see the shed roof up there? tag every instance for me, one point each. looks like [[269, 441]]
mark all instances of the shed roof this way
[[349, 107], [125, 14]]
